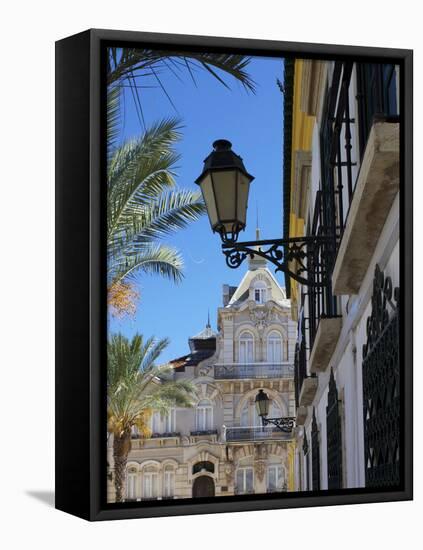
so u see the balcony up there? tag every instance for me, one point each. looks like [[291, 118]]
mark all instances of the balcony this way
[[375, 191], [360, 180], [301, 416], [157, 435], [253, 371], [325, 343], [203, 435], [255, 433], [324, 322], [305, 385], [203, 432]]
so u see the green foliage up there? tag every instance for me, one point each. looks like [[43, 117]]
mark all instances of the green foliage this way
[[136, 383], [144, 205], [129, 63]]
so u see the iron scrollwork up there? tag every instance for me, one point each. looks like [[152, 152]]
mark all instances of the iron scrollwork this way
[[381, 386], [285, 424], [294, 256]]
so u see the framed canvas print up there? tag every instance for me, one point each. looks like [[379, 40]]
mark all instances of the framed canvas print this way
[[234, 274]]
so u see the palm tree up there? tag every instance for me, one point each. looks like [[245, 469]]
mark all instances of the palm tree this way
[[144, 205], [129, 63], [136, 385], [126, 65]]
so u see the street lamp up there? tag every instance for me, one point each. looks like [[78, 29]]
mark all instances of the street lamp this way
[[225, 184], [284, 423]]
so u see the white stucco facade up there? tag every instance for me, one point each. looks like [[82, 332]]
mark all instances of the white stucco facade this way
[[367, 233]]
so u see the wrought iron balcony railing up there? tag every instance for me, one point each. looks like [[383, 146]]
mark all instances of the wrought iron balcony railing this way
[[376, 99], [320, 300], [340, 159], [204, 432], [236, 371], [156, 435], [254, 433]]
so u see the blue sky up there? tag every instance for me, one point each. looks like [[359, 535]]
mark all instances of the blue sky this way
[[209, 111]]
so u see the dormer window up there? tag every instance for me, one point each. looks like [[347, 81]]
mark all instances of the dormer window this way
[[260, 292]]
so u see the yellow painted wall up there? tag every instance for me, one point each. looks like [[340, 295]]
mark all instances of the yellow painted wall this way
[[302, 131], [291, 461]]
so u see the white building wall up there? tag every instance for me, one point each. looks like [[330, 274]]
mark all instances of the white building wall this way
[[347, 358]]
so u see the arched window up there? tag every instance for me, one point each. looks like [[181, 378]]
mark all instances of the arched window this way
[[245, 480], [260, 294], [275, 478], [169, 482], [204, 415], [150, 483], [275, 410], [246, 348], [274, 347], [160, 424], [169, 422], [245, 415], [249, 416], [205, 465], [155, 423], [131, 484]]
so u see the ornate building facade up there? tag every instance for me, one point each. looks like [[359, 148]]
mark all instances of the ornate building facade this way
[[341, 182], [220, 447]]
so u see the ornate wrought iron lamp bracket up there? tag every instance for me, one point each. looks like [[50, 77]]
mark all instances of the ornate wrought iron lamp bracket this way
[[284, 424], [298, 257]]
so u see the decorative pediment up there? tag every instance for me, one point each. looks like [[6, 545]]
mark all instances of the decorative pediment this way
[[260, 316]]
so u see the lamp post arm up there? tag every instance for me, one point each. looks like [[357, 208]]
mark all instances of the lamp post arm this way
[[284, 424], [305, 259]]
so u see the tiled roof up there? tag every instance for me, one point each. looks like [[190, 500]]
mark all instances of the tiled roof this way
[[202, 346], [192, 359]]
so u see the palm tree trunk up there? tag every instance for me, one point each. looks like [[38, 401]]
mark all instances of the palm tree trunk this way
[[121, 448]]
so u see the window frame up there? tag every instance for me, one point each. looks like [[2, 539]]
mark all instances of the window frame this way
[[246, 338], [279, 479], [203, 410], [244, 470]]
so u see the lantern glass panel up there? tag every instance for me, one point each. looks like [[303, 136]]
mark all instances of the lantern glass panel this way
[[242, 197], [209, 198], [224, 183]]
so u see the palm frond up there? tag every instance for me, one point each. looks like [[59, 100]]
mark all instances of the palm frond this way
[[172, 211], [136, 385], [113, 118], [153, 259], [141, 169], [142, 62]]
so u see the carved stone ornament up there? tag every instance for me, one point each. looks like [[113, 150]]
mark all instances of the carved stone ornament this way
[[204, 370], [260, 452], [229, 473], [260, 316], [260, 469]]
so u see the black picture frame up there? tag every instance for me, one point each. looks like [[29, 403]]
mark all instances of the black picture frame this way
[[80, 274]]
